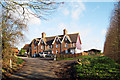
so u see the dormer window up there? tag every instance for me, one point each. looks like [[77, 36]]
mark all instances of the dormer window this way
[[35, 42], [35, 47], [65, 44], [57, 39], [42, 42], [73, 44], [48, 46], [65, 38], [41, 47], [57, 46]]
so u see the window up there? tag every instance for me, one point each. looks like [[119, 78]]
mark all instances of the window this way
[[57, 40], [65, 44], [57, 46], [66, 51], [35, 42], [48, 46], [41, 47], [42, 41], [57, 51], [52, 52], [65, 38], [35, 47], [72, 51], [51, 46], [73, 44]]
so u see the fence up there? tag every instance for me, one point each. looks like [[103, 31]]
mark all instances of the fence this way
[[63, 56]]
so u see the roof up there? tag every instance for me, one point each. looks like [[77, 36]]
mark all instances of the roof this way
[[15, 50], [73, 37], [49, 40], [95, 50], [26, 46]]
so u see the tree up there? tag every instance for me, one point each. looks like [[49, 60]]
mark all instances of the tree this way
[[38, 8], [112, 43], [14, 25]]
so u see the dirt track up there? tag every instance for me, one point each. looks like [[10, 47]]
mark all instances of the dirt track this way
[[45, 69]]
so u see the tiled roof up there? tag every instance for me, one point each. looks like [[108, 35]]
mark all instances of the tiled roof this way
[[73, 37], [49, 40], [26, 46]]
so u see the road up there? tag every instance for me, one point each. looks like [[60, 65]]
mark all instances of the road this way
[[42, 69]]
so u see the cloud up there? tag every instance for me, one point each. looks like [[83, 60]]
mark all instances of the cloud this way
[[77, 10]]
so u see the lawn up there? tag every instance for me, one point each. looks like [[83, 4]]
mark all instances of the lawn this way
[[98, 67], [88, 56]]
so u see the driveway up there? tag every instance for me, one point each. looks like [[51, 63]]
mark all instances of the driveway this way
[[37, 68]]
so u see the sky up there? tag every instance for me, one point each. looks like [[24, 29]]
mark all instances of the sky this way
[[90, 19]]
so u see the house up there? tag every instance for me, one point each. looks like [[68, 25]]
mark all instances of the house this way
[[59, 44], [26, 48], [92, 51], [15, 50]]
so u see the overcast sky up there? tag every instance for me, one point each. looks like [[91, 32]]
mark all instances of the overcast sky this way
[[90, 19]]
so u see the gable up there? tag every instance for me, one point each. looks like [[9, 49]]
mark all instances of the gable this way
[[66, 39], [56, 40], [73, 37], [41, 42]]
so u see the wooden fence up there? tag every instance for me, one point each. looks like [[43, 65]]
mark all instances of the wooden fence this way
[[63, 56]]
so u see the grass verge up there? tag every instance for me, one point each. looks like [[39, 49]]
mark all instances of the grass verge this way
[[98, 67], [17, 64], [80, 57]]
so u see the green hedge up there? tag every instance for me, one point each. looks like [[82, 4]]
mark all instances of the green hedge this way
[[99, 67]]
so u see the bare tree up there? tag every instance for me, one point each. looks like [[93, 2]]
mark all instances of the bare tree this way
[[13, 25], [38, 8], [112, 43]]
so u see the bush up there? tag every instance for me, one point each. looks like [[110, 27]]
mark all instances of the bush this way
[[99, 67]]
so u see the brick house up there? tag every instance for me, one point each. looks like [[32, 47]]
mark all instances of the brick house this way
[[60, 44]]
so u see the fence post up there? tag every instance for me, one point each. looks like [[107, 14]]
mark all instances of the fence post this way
[[10, 63]]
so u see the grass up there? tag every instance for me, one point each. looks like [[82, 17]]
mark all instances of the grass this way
[[87, 56], [98, 67], [17, 64]]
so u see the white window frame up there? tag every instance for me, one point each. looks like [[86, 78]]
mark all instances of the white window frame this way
[[57, 51], [42, 47], [66, 45], [51, 46], [35, 47], [52, 52], [73, 44], [66, 38], [66, 51], [57, 46]]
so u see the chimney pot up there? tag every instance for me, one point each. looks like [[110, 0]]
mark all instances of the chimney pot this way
[[64, 32], [43, 35]]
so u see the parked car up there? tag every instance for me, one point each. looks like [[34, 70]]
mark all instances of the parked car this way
[[43, 54], [49, 55]]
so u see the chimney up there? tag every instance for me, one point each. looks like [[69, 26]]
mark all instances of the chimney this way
[[43, 35], [64, 32]]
